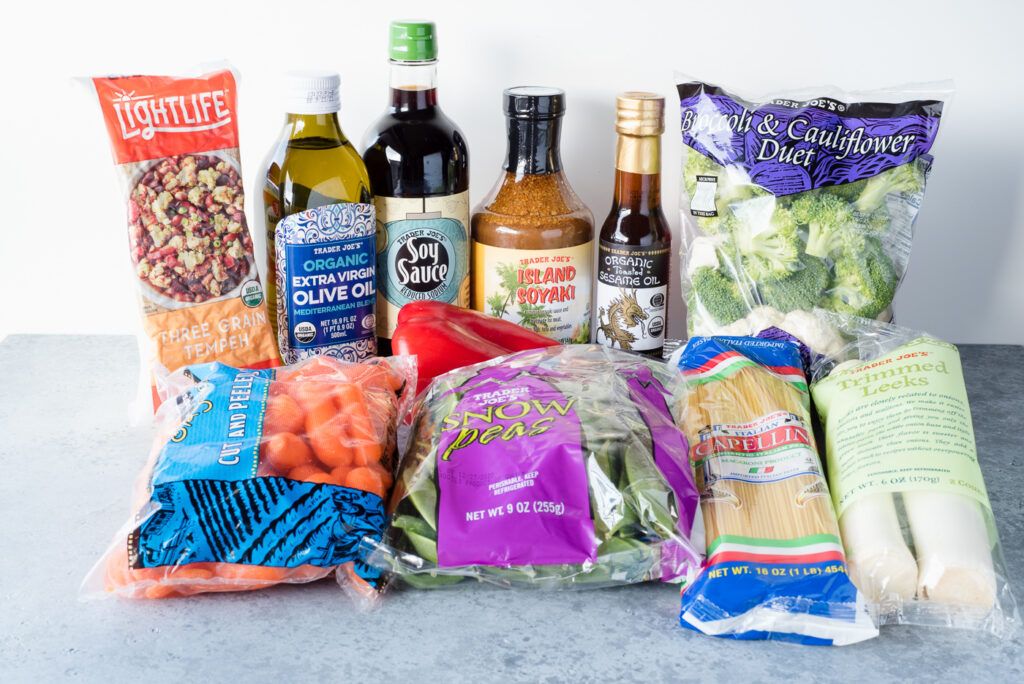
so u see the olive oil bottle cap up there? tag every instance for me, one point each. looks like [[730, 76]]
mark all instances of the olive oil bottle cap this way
[[413, 41], [313, 92], [638, 113]]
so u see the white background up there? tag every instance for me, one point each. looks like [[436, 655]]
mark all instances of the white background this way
[[63, 256]]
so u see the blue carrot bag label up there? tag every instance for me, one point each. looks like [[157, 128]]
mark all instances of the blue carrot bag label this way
[[775, 565]]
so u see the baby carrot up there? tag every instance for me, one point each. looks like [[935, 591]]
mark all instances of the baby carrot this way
[[286, 451], [362, 437], [283, 415], [366, 479], [340, 474], [303, 472], [326, 434]]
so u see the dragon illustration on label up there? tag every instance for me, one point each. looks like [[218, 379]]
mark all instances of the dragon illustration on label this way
[[623, 312]]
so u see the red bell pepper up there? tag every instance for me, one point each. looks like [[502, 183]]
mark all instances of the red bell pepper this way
[[444, 337]]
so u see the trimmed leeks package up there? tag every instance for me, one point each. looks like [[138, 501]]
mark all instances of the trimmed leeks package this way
[[905, 476], [775, 565], [800, 199], [556, 468]]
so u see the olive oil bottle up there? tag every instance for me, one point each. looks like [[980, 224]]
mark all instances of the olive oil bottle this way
[[317, 206], [418, 162]]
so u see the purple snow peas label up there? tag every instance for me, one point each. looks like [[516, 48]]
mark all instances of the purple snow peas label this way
[[791, 146], [512, 475]]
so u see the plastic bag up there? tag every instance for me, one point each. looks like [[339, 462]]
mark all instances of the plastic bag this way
[[903, 468], [259, 477], [554, 468], [800, 200], [775, 565], [175, 145]]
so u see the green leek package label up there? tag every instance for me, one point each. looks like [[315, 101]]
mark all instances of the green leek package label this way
[[900, 423]]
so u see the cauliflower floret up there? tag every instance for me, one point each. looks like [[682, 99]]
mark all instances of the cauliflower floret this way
[[177, 242], [236, 250], [193, 241], [142, 268], [234, 226], [170, 181], [704, 252], [223, 194], [819, 335], [208, 177], [214, 288]]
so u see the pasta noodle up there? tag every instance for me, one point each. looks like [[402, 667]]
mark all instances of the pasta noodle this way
[[791, 508]]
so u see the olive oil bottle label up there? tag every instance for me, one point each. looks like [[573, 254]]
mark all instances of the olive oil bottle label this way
[[422, 253], [632, 296], [326, 283], [545, 290]]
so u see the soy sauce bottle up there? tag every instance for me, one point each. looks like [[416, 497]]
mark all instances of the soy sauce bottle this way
[[418, 163], [635, 242]]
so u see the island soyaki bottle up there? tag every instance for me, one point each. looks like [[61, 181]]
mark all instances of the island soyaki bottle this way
[[533, 237], [418, 164], [635, 242]]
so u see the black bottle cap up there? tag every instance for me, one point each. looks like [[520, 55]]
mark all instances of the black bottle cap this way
[[534, 102]]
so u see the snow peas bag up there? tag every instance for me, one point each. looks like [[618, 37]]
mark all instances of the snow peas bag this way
[[800, 200], [176, 153], [258, 477], [554, 468], [904, 473]]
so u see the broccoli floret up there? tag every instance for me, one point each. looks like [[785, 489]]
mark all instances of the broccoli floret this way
[[905, 178], [765, 238], [827, 217], [720, 296], [864, 283], [799, 291]]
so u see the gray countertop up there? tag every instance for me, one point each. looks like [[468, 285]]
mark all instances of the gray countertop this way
[[69, 460]]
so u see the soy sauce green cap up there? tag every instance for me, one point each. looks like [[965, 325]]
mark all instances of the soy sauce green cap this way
[[412, 41]]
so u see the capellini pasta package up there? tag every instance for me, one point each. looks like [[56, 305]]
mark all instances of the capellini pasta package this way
[[904, 472], [775, 565], [259, 477], [175, 146]]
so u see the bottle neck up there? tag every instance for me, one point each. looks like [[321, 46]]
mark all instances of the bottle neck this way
[[413, 85], [638, 172], [314, 126], [533, 146]]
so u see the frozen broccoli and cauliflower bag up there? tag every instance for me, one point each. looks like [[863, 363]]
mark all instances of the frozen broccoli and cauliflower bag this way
[[798, 201]]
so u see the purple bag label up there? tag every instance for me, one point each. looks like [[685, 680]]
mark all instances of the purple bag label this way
[[787, 146], [512, 475]]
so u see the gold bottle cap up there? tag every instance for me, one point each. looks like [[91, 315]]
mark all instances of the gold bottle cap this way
[[639, 113]]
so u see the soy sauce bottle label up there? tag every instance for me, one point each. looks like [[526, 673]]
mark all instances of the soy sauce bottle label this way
[[422, 253], [632, 296]]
